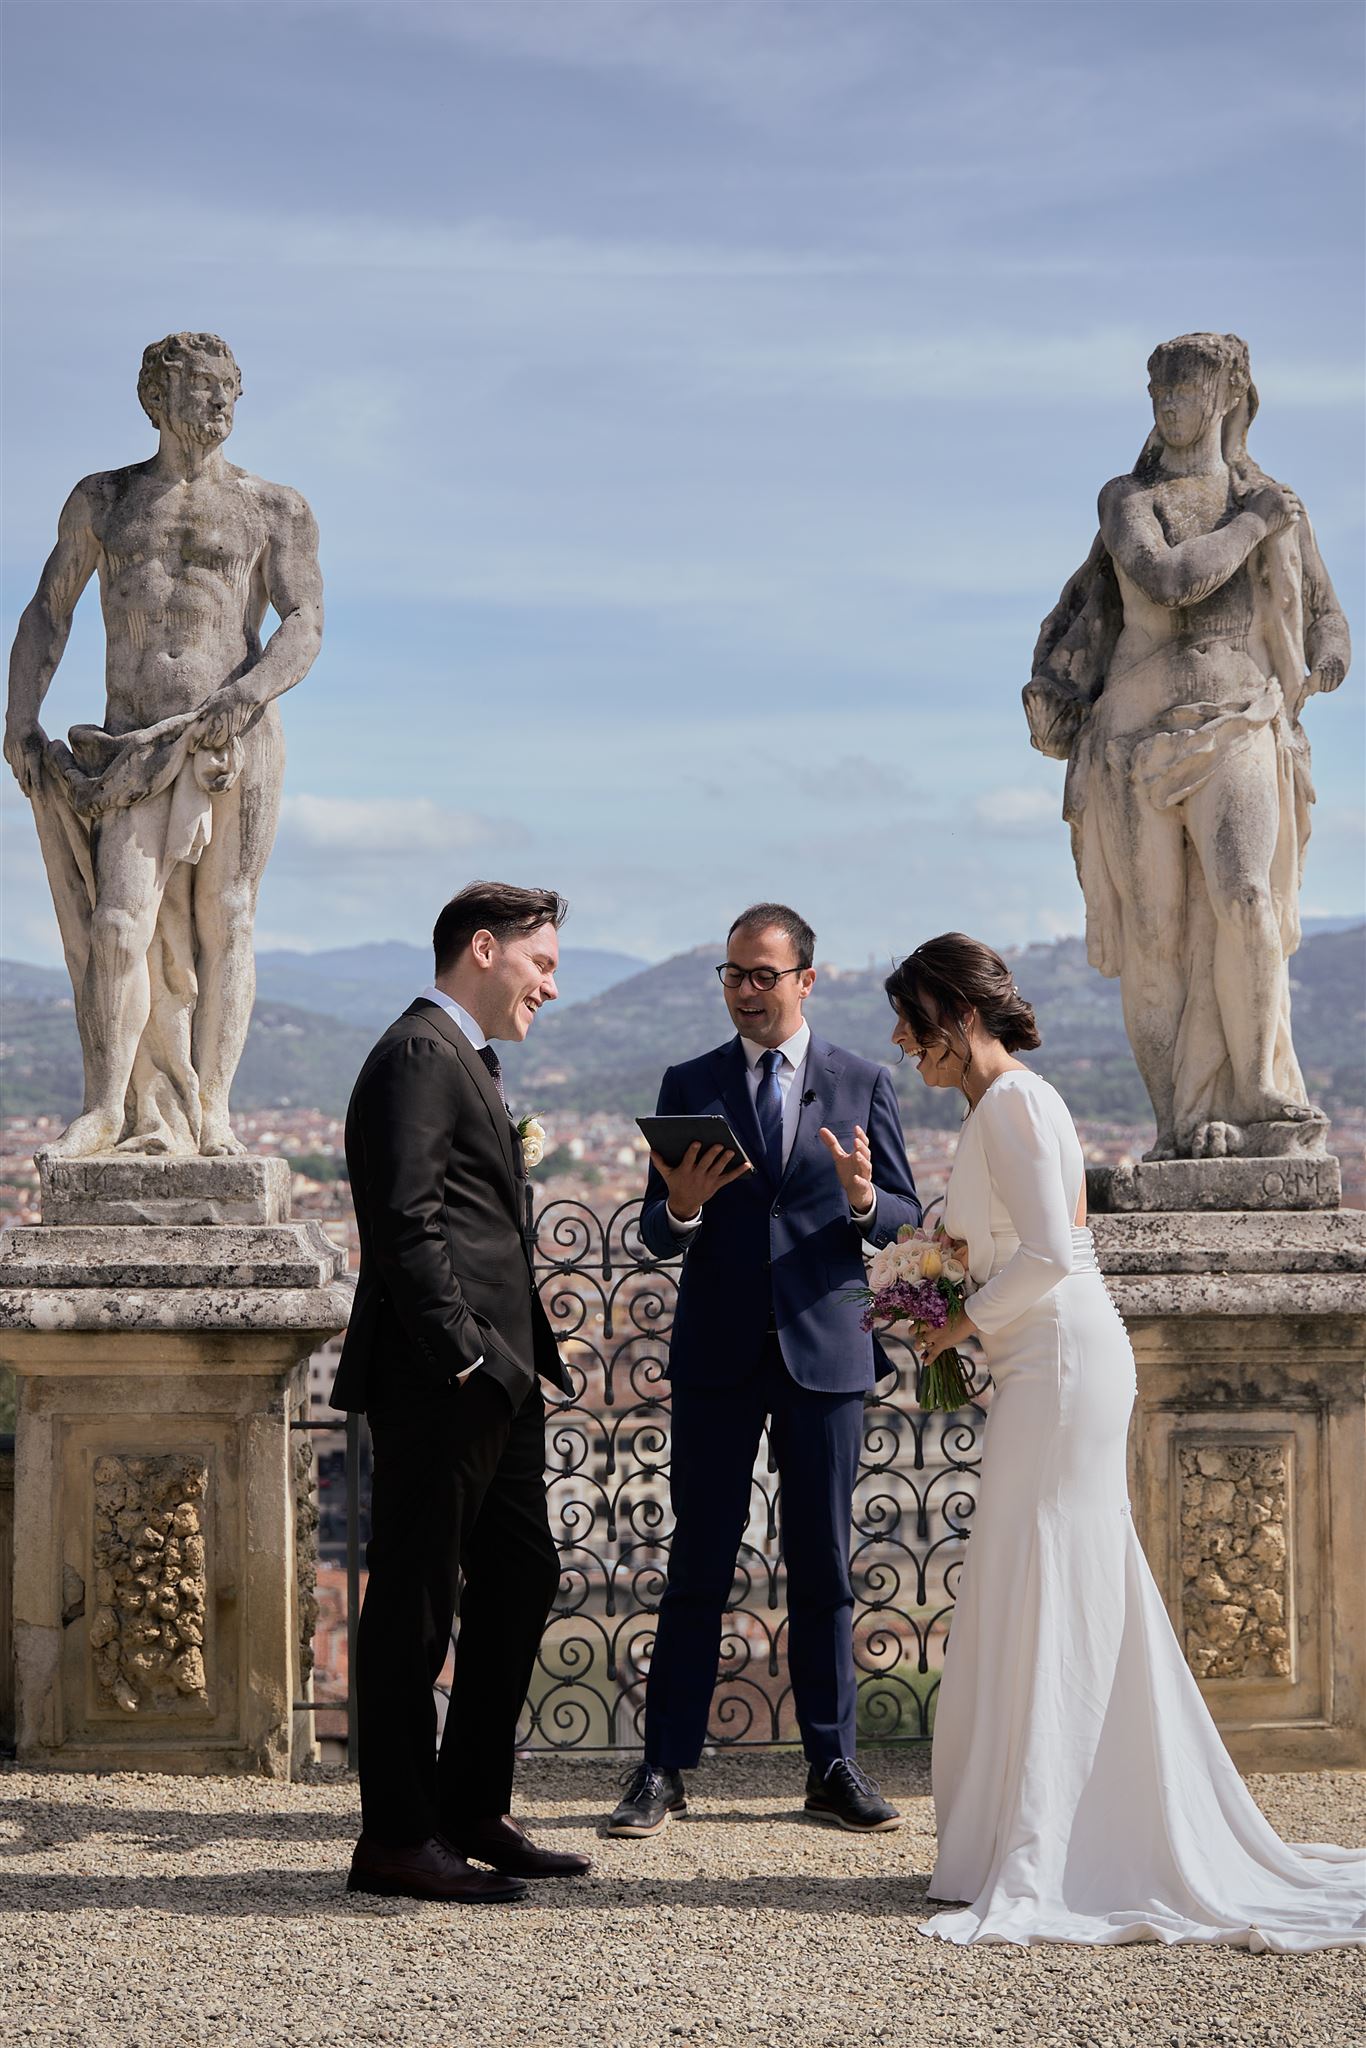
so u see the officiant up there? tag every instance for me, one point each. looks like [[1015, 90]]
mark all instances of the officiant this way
[[765, 1330]]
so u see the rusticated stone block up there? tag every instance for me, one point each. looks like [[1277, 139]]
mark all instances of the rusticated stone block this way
[[1308, 1181], [180, 1255], [124, 1188]]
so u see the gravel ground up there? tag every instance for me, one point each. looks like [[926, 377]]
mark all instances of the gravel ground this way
[[145, 1912]]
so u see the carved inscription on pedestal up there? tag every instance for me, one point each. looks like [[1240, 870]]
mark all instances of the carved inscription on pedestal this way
[[151, 1586], [1235, 1590], [1310, 1181]]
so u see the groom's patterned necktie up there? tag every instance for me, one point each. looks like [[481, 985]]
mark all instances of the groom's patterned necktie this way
[[495, 1067], [769, 1103]]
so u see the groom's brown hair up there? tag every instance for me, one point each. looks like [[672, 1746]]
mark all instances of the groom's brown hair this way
[[497, 907]]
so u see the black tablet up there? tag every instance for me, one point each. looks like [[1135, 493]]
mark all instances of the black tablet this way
[[670, 1136]]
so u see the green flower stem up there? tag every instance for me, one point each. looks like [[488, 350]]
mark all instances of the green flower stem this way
[[943, 1385]]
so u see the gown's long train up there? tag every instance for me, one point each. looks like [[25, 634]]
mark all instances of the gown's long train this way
[[1081, 1790]]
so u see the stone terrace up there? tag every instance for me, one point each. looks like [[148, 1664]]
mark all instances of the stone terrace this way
[[145, 1912]]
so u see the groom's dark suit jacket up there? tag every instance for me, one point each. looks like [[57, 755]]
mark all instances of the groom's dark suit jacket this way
[[782, 1255], [445, 1271]]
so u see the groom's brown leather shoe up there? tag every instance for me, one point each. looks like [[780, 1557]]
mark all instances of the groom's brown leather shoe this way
[[500, 1840], [432, 1870]]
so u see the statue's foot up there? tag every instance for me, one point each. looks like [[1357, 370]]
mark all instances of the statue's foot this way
[[217, 1140], [1163, 1147], [1216, 1140], [96, 1130], [1273, 1109], [150, 1145]]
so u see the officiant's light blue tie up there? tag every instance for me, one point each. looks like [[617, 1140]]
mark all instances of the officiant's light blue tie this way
[[769, 1103]]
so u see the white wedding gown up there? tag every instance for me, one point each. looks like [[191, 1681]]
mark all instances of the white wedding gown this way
[[1081, 1790]]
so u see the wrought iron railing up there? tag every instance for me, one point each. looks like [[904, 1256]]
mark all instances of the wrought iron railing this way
[[611, 1304]]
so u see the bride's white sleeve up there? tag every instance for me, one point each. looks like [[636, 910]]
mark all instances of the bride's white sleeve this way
[[1025, 1164]]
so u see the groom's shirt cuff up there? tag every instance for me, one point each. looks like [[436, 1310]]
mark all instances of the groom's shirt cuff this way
[[863, 1217], [682, 1226]]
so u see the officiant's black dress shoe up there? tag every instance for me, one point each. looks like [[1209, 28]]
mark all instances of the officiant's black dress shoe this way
[[432, 1870], [651, 1800], [503, 1842], [845, 1794]]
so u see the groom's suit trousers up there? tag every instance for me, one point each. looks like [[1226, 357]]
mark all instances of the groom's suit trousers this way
[[815, 1439], [458, 1489]]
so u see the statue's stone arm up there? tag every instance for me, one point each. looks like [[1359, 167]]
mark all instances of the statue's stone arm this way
[[1327, 641], [1191, 570], [1073, 654], [43, 633], [292, 582]]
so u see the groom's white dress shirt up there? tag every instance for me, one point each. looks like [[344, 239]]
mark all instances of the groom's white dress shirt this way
[[478, 1039], [791, 1080]]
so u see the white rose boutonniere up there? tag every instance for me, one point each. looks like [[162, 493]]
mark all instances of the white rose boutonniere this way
[[531, 1131]]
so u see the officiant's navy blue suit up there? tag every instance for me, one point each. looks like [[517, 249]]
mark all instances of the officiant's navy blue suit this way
[[763, 1328]]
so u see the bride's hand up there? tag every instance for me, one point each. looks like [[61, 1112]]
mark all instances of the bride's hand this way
[[949, 1338]]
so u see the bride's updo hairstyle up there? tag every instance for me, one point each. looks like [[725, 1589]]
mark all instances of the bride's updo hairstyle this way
[[935, 986]]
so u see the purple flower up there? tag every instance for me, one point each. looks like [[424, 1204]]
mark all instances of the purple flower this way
[[930, 1306], [921, 1303]]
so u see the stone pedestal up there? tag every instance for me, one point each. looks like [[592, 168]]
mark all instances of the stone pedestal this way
[[1248, 1461], [159, 1320]]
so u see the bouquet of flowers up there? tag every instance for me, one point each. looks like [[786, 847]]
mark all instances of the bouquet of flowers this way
[[919, 1279]]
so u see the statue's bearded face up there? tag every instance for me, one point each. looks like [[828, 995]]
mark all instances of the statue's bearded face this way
[[1185, 404], [198, 398]]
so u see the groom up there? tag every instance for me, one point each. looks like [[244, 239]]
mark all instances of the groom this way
[[764, 1328], [446, 1342]]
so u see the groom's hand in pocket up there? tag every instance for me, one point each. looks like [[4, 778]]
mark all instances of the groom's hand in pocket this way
[[697, 1177]]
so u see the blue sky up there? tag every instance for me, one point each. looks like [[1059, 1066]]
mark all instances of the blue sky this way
[[701, 404]]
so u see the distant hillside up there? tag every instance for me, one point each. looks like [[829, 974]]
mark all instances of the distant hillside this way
[[370, 984], [610, 1052], [293, 1058], [316, 1016], [607, 1051]]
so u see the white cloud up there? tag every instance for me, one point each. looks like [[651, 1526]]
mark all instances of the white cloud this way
[[766, 63], [855, 780], [1098, 364], [371, 827], [43, 214], [1018, 811]]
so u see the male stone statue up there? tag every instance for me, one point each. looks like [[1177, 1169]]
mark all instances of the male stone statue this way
[[1171, 676], [156, 827]]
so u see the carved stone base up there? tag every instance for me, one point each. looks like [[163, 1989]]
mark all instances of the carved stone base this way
[[1248, 1465], [157, 1621], [1290, 1181], [120, 1187]]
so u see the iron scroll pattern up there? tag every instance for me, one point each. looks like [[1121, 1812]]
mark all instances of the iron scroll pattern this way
[[610, 1302]]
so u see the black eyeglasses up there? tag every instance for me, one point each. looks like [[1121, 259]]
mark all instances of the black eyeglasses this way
[[731, 976]]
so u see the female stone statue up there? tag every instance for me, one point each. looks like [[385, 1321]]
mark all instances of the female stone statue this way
[[1170, 676]]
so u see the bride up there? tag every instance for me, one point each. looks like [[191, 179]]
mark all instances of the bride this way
[[1081, 1790]]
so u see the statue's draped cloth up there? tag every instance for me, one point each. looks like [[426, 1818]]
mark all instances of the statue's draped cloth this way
[[101, 772], [1169, 761]]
